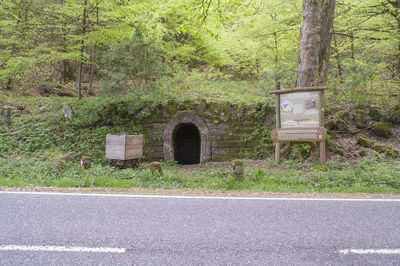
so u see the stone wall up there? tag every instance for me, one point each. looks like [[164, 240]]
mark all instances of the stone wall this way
[[227, 130]]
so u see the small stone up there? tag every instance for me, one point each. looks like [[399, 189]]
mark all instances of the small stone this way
[[331, 125], [395, 118], [365, 142], [360, 118], [375, 114], [362, 153], [58, 164], [240, 110], [156, 168], [238, 169], [6, 115], [68, 112], [342, 115], [387, 150], [86, 162], [339, 151], [381, 129], [201, 106], [341, 125]]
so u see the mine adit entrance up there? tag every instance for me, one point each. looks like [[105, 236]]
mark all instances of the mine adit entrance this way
[[186, 141]]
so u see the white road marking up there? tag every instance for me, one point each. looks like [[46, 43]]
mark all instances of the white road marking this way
[[194, 197], [60, 249], [370, 251]]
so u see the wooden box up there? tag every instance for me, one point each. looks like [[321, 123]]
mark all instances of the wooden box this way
[[124, 147]]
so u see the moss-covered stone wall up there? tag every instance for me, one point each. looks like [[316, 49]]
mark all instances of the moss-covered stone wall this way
[[231, 130]]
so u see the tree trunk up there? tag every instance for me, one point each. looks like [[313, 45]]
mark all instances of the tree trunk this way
[[338, 61], [82, 50], [315, 42]]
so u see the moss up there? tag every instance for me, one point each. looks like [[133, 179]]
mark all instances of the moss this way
[[341, 125], [342, 115], [387, 150], [332, 134], [381, 129], [156, 168], [360, 118], [397, 108], [375, 114], [395, 117], [171, 107], [329, 142], [201, 107], [185, 105], [365, 142], [214, 108], [227, 109], [339, 151], [362, 153], [331, 125], [240, 110], [216, 122], [238, 162]]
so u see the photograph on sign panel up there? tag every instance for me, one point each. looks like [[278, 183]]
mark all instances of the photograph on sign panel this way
[[299, 109]]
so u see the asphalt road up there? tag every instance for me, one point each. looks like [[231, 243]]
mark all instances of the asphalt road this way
[[76, 229]]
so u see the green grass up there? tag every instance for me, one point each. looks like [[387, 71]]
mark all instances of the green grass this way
[[368, 176]]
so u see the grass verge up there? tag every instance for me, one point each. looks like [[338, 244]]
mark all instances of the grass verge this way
[[367, 176]]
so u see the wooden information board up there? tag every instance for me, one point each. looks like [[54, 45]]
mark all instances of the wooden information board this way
[[300, 117], [299, 134]]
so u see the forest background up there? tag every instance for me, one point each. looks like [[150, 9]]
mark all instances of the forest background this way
[[229, 48]]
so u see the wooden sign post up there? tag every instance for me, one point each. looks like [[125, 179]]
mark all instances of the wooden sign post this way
[[300, 117]]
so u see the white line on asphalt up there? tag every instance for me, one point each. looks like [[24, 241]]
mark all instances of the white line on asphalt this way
[[193, 197], [370, 251], [60, 249]]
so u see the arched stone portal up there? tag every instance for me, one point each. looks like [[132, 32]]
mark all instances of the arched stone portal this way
[[190, 122]]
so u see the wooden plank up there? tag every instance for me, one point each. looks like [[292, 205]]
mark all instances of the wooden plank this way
[[322, 153], [133, 151], [116, 152], [299, 134], [302, 89], [277, 110], [115, 139], [134, 139], [277, 152]]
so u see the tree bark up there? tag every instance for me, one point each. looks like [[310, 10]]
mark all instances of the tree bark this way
[[82, 49], [315, 42]]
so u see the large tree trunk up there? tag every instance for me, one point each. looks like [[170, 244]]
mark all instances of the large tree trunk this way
[[315, 42]]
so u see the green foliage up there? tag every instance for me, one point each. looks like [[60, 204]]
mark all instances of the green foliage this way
[[126, 67]]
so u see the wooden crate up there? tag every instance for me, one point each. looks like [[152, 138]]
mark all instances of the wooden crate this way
[[124, 147]]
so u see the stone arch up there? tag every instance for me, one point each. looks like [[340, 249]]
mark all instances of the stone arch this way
[[184, 118]]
